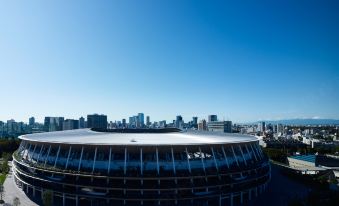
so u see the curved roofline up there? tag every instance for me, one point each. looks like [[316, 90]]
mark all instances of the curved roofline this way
[[173, 138], [139, 130]]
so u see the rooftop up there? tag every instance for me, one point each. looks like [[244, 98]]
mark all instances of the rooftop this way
[[307, 158], [126, 137]]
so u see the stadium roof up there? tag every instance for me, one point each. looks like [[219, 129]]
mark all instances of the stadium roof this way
[[307, 158], [88, 136]]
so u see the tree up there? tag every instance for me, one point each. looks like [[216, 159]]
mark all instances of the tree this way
[[16, 201], [4, 167], [47, 198]]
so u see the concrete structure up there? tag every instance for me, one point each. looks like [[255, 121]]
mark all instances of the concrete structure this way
[[306, 164], [313, 164], [202, 126], [52, 124], [12, 191], [212, 118], [141, 167], [82, 123], [70, 124], [31, 121], [261, 127], [141, 120], [220, 126], [179, 122], [97, 121], [148, 121]]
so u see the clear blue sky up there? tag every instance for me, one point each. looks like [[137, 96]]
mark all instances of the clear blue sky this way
[[243, 61]]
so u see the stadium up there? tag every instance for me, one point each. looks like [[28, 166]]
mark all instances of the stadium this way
[[141, 167]]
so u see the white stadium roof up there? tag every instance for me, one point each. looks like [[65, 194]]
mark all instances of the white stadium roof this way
[[90, 137]]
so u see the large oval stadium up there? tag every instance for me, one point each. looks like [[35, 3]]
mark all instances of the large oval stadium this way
[[141, 167]]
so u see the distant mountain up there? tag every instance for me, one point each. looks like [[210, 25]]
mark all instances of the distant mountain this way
[[303, 121]]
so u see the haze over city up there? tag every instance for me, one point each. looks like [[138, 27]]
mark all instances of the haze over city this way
[[244, 62]]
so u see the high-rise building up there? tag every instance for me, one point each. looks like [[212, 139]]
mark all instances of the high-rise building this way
[[220, 126], [97, 121], [70, 124], [148, 121], [31, 121], [130, 120], [141, 120], [202, 125], [11, 126], [261, 127], [179, 122], [2, 128], [212, 118], [195, 122], [280, 128], [53, 124], [82, 123], [162, 124], [124, 125]]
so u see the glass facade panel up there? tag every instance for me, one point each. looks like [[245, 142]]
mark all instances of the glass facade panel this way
[[232, 161], [74, 158], [87, 160], [30, 152], [149, 161], [165, 161], [62, 158], [220, 158], [117, 161], [133, 162], [239, 156], [209, 161], [101, 161], [52, 156], [181, 163], [36, 154], [195, 161], [43, 154]]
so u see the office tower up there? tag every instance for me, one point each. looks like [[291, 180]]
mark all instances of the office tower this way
[[148, 122], [2, 129], [162, 124], [131, 120], [280, 128], [202, 125], [220, 126], [195, 122], [212, 118], [82, 123], [228, 126], [179, 122], [97, 121], [53, 124], [70, 124], [261, 127], [124, 125], [31, 121], [11, 126], [141, 120]]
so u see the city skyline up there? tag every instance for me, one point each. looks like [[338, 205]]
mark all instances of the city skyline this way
[[258, 61]]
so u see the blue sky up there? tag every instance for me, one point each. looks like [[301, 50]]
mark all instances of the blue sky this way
[[244, 61]]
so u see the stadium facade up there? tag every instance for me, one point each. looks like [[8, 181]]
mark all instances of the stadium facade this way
[[141, 167]]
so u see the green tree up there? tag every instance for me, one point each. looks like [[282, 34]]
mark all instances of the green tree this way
[[4, 167]]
